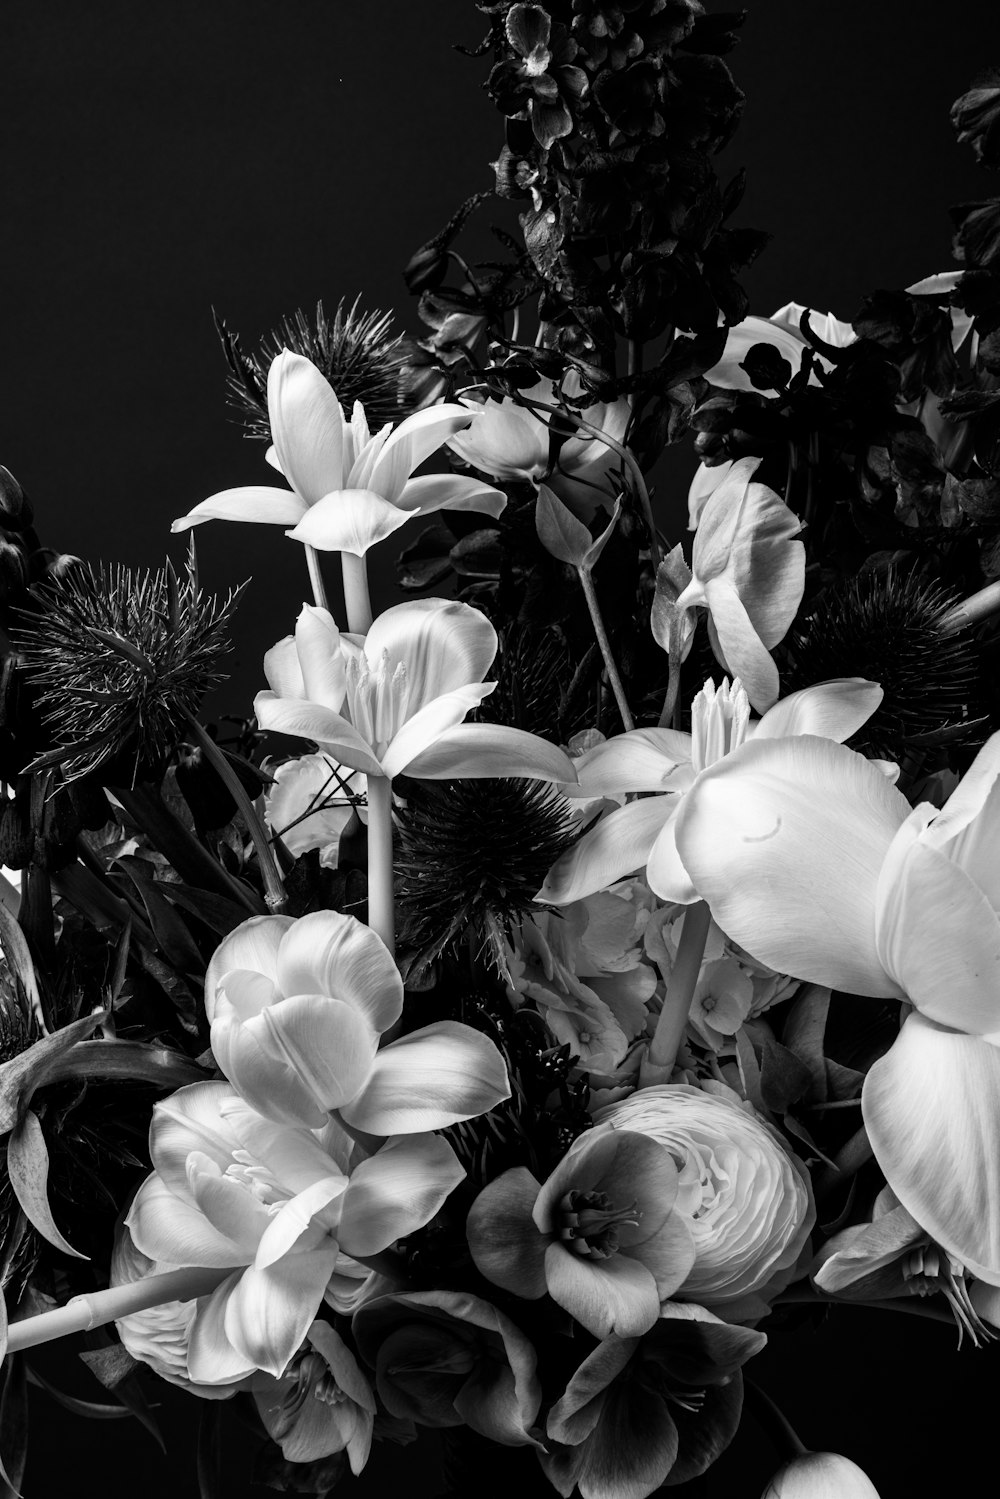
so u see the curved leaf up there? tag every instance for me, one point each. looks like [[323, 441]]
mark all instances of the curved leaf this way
[[29, 1069], [28, 1167]]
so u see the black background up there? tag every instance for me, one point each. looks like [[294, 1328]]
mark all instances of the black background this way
[[156, 162]]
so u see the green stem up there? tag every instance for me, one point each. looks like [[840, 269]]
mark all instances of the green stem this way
[[381, 914], [100, 1307], [356, 596], [274, 888], [316, 579], [670, 1027], [589, 593]]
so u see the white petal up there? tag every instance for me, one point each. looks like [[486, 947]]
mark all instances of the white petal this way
[[932, 1110], [269, 1311], [443, 645], [425, 728], [744, 654], [349, 520], [326, 952], [474, 751], [171, 1229], [292, 1154], [450, 492], [294, 1223], [329, 1045], [830, 710], [639, 760], [785, 839], [317, 644], [282, 670], [415, 439], [617, 846], [271, 1087], [307, 426], [305, 720], [665, 872], [211, 1358], [967, 828], [704, 484], [429, 1079], [728, 375], [228, 1205], [190, 1119], [253, 946], [253, 502], [396, 1191], [505, 440]]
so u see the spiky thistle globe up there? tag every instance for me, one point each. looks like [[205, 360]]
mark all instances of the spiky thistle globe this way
[[474, 853], [885, 625], [117, 659], [356, 351]]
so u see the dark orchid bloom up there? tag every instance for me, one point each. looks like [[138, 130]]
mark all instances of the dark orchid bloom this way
[[600, 1236], [542, 80], [640, 1412]]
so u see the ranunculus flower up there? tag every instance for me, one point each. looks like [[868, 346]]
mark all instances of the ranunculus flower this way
[[820, 1475], [348, 488], [669, 762], [744, 1197], [600, 1236], [276, 1206], [321, 1404], [309, 804], [641, 1412], [749, 572], [807, 856], [394, 700], [297, 1010], [445, 1358]]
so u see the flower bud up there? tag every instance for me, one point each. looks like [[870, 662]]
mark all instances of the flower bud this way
[[15, 507], [820, 1475]]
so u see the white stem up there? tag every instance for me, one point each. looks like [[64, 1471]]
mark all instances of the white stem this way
[[381, 913], [971, 611], [99, 1307], [316, 579], [356, 596]]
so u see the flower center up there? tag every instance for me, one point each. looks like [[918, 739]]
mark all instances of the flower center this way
[[589, 1223], [378, 698], [719, 719], [927, 1270]]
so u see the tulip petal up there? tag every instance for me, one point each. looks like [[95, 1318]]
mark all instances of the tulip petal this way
[[211, 1358], [295, 1220], [349, 520], [476, 751], [396, 1191], [616, 1295], [190, 1119], [282, 670], [291, 1153], [451, 492], [619, 845], [785, 839], [174, 1230], [253, 946], [269, 1311], [443, 646], [304, 720], [665, 873], [743, 653], [229, 1206], [415, 439], [506, 440], [425, 728], [930, 1108], [429, 1079], [326, 952], [307, 426], [317, 647], [327, 1043], [967, 828], [640, 760], [258, 503], [270, 1087], [504, 1240], [829, 710]]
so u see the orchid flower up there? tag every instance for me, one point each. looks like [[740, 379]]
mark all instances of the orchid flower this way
[[669, 762], [349, 489], [297, 1010], [749, 572], [807, 855], [394, 701], [275, 1205]]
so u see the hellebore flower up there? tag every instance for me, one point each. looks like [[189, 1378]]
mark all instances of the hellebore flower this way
[[669, 762], [297, 1010], [749, 572], [807, 855], [394, 699], [310, 803], [349, 489], [640, 1412], [321, 1404], [820, 1475], [745, 1198], [273, 1204], [445, 1358], [600, 1236]]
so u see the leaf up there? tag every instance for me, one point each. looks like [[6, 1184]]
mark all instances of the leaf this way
[[209, 1452], [559, 531], [131, 1061], [803, 1033], [797, 1129], [110, 1365], [28, 1168], [783, 1077], [121, 960], [746, 1059], [90, 1408], [672, 628], [842, 1082], [13, 1427], [15, 950], [21, 1075], [218, 913], [172, 936]]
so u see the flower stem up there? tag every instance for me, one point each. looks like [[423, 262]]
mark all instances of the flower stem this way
[[274, 888], [666, 718], [659, 1061], [356, 596], [316, 579], [909, 1306], [589, 593], [774, 1421], [381, 914], [99, 1307], [971, 611]]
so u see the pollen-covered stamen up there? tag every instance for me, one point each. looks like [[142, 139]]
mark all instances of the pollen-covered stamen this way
[[589, 1223], [927, 1271]]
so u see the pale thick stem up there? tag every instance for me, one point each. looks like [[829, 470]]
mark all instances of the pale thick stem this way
[[274, 888], [316, 579], [587, 583], [673, 1019], [357, 599], [381, 912], [971, 611], [666, 719], [100, 1307]]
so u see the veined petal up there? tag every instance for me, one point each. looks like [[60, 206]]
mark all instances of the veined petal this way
[[211, 1358], [474, 751], [744, 653], [291, 1153], [174, 1230], [785, 839], [415, 439], [506, 440], [230, 1208], [252, 946], [639, 760], [396, 1191], [328, 1044], [967, 828], [258, 503], [504, 1240], [269, 1311], [349, 520], [270, 1087], [325, 952], [317, 645], [307, 425], [720, 522], [931, 1110], [617, 846], [616, 1295], [282, 670], [450, 492], [429, 1079], [442, 644], [830, 710], [190, 1119], [295, 1220], [427, 725], [305, 720]]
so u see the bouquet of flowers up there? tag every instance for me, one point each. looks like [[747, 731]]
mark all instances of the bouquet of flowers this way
[[569, 973]]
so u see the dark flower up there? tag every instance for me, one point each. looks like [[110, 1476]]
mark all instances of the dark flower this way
[[976, 118], [541, 80], [977, 233]]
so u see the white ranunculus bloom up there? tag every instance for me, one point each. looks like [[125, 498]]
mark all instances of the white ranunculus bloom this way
[[745, 1197]]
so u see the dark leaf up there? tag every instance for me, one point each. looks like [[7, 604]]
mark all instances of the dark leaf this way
[[21, 1075], [28, 1168]]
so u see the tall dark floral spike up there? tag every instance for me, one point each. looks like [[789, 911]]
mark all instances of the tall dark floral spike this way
[[357, 351], [117, 658]]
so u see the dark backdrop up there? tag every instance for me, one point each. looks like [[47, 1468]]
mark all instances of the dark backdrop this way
[[254, 155]]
